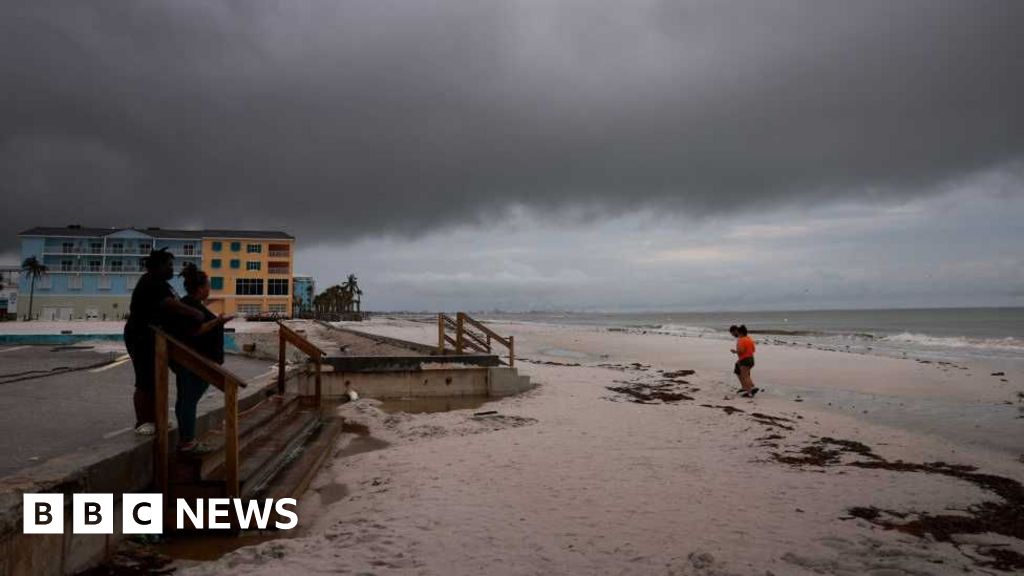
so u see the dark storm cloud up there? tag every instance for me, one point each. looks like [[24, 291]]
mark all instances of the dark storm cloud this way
[[340, 119]]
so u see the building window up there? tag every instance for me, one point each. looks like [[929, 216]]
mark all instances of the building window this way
[[277, 287], [236, 246], [278, 268], [45, 282], [67, 247], [216, 246], [74, 282], [116, 248], [145, 248], [115, 265], [216, 283], [95, 265], [141, 267], [104, 283], [278, 308], [95, 247], [249, 286], [188, 250], [251, 265], [215, 263], [130, 282], [67, 265], [248, 309], [254, 248], [235, 263]]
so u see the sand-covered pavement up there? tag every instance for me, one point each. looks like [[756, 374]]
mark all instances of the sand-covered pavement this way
[[624, 462]]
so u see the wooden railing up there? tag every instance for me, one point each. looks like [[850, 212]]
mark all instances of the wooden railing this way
[[288, 336], [169, 349], [471, 335]]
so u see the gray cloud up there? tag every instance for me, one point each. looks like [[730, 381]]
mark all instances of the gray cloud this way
[[956, 249], [336, 120]]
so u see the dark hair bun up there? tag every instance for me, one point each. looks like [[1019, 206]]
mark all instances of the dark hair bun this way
[[194, 277]]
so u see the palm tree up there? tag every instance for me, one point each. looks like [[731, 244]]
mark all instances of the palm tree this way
[[351, 288], [35, 269]]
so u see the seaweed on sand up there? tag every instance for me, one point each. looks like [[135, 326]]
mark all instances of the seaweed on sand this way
[[1004, 516], [641, 393]]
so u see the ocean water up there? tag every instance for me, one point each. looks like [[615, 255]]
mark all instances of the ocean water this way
[[938, 333]]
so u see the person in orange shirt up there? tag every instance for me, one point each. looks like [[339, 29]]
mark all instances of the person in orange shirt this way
[[744, 352]]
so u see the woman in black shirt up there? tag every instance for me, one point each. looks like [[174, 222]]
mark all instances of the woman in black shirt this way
[[206, 337]]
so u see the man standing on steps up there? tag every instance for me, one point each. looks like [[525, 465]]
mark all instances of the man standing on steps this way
[[153, 301]]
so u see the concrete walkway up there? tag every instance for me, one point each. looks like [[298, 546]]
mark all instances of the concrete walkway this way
[[56, 400]]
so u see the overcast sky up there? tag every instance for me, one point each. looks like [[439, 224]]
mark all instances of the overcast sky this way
[[537, 155]]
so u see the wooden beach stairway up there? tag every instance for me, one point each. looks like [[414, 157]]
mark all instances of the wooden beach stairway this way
[[466, 334], [269, 446]]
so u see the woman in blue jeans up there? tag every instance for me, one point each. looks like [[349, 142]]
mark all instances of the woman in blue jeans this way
[[205, 337]]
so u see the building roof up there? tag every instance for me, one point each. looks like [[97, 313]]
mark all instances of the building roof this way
[[84, 232]]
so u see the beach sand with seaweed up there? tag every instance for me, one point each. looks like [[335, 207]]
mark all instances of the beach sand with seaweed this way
[[634, 456]]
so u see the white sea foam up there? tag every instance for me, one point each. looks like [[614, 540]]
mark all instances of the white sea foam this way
[[687, 330], [1008, 344]]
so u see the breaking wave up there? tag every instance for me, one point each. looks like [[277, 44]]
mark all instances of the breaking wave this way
[[1008, 344]]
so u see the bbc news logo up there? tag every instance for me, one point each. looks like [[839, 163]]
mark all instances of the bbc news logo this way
[[144, 513]]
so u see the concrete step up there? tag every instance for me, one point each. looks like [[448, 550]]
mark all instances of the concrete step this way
[[195, 467], [270, 450], [295, 477]]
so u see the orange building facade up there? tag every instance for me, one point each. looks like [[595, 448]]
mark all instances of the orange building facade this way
[[250, 273]]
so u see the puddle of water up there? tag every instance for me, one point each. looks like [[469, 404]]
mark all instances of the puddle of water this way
[[361, 445], [429, 405], [565, 353], [982, 423], [331, 493], [206, 547]]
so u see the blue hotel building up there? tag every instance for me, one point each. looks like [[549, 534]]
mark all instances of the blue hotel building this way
[[92, 271]]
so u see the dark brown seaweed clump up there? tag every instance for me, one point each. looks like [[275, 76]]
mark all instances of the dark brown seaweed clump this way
[[1004, 517]]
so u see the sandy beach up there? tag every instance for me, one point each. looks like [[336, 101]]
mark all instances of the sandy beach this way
[[622, 461]]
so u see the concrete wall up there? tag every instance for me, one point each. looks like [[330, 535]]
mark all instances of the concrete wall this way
[[431, 381], [122, 464], [115, 307]]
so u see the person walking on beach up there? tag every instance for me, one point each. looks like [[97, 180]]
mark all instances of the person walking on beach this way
[[153, 301], [734, 331], [744, 352], [206, 337]]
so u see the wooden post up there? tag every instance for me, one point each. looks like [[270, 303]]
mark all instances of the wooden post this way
[[281, 348], [458, 333], [440, 334], [511, 351], [231, 437], [319, 393], [488, 343], [160, 462]]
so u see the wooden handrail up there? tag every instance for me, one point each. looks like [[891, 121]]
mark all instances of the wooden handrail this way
[[484, 329], [200, 365], [465, 338], [288, 336], [168, 349]]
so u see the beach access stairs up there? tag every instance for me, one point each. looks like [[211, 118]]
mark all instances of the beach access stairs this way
[[270, 445], [466, 334]]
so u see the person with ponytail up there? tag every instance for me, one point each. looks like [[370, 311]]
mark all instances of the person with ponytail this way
[[205, 336], [744, 352], [153, 303]]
